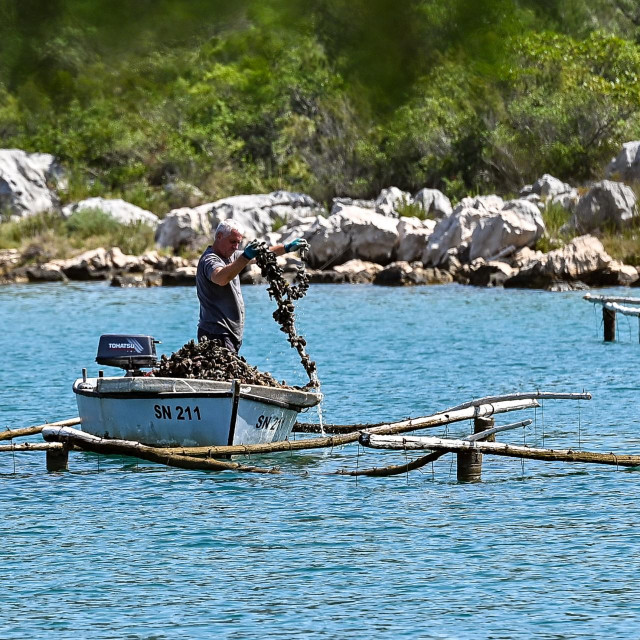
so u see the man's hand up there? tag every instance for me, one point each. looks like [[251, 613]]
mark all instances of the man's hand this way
[[296, 245], [251, 250]]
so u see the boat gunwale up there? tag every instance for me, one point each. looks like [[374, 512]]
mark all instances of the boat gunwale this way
[[149, 395]]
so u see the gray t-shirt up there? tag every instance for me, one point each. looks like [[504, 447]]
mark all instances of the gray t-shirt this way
[[221, 308]]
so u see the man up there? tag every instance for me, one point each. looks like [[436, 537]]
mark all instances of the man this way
[[218, 283]]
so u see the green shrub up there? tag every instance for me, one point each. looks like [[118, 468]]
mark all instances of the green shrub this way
[[567, 105], [623, 245], [86, 229], [555, 217], [14, 234], [92, 228], [414, 210], [278, 223], [133, 239], [91, 222]]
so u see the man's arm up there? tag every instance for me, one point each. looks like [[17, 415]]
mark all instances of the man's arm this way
[[224, 275], [299, 244]]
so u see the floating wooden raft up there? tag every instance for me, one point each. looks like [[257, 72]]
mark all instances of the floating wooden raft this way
[[61, 437], [612, 305]]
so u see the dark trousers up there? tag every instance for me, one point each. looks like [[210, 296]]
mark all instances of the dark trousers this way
[[221, 339]]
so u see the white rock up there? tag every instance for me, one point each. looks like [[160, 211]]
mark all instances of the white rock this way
[[518, 225], [413, 235], [567, 200], [626, 274], [120, 210], [606, 203], [433, 201], [296, 228], [548, 186], [452, 234], [182, 226], [9, 258], [525, 257], [352, 233], [48, 272], [489, 274], [25, 180], [482, 203], [583, 255], [534, 198], [357, 267], [256, 213], [86, 265], [626, 165], [392, 199], [528, 211], [120, 260], [340, 203]]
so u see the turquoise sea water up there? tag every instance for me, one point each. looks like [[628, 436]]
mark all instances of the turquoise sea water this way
[[119, 549]]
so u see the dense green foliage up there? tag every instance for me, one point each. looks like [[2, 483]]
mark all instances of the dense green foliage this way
[[332, 97]]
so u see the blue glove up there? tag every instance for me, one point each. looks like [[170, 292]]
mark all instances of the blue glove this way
[[296, 245], [251, 250]]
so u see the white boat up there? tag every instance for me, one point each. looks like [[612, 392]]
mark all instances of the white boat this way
[[182, 412]]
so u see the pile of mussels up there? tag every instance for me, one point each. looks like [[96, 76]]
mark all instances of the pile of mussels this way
[[207, 361]]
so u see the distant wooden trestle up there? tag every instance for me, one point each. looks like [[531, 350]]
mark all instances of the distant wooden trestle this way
[[612, 305]]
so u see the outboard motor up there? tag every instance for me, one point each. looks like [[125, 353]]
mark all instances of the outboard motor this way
[[130, 353]]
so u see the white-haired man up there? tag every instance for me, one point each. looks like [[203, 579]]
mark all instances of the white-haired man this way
[[218, 283]]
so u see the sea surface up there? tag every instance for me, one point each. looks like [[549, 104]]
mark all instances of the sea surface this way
[[119, 548]]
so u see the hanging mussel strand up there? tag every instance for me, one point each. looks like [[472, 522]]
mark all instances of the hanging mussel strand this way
[[284, 294]]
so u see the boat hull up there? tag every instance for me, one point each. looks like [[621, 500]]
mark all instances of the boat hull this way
[[177, 412]]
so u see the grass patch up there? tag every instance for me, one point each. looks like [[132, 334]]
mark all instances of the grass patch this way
[[49, 235], [623, 245], [555, 217], [15, 234], [414, 210], [278, 223]]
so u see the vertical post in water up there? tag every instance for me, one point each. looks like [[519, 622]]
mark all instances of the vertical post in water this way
[[609, 320], [235, 400], [470, 462], [58, 459]]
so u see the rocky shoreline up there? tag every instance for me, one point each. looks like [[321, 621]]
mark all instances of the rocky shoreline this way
[[581, 264], [398, 239]]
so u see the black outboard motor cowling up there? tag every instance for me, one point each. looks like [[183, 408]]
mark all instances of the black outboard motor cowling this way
[[131, 353]]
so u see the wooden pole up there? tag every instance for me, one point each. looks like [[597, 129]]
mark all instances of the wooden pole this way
[[607, 299], [33, 446], [308, 427], [497, 448], [609, 320], [88, 442], [9, 434], [469, 463], [428, 422], [394, 470], [484, 435], [58, 459]]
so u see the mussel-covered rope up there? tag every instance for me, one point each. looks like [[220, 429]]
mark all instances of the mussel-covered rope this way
[[284, 294]]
